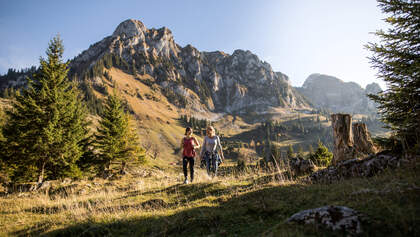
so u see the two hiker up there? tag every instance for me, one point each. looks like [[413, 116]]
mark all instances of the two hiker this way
[[209, 152]]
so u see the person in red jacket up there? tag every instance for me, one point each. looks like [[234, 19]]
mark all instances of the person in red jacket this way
[[188, 144]]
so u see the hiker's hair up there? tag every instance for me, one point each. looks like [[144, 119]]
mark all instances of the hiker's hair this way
[[210, 129], [188, 129]]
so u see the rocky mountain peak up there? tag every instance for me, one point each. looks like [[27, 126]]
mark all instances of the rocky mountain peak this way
[[130, 28], [373, 88], [245, 55], [340, 97], [316, 79], [222, 82]]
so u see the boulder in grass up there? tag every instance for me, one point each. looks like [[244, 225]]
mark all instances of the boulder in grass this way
[[301, 166], [336, 218]]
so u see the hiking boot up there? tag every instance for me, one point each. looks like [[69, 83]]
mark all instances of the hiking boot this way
[[186, 181]]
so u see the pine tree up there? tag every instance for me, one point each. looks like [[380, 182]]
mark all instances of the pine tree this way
[[300, 152], [47, 124], [322, 156], [116, 140], [133, 68], [4, 171], [290, 152], [397, 59]]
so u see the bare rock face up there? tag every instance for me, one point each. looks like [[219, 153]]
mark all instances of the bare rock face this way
[[343, 137], [362, 140], [216, 81], [336, 218], [340, 97]]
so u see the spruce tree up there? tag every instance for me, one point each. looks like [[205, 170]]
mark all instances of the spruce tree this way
[[300, 152], [4, 171], [322, 156], [116, 139], [47, 124], [290, 152], [397, 59]]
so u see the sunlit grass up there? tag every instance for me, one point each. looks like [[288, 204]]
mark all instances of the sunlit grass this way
[[244, 204]]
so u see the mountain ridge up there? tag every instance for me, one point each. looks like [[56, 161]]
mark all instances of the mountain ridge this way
[[224, 82], [325, 91]]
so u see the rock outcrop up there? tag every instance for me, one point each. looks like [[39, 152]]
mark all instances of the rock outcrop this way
[[367, 167], [301, 166], [340, 97], [223, 82], [336, 218], [343, 137]]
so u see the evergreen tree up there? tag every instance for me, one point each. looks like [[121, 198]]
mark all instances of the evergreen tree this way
[[107, 60], [2, 122], [300, 152], [47, 124], [322, 156], [267, 151], [290, 152], [133, 68], [116, 139], [397, 59], [3, 166]]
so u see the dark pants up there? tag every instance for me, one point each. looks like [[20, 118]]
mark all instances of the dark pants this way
[[185, 161], [212, 163]]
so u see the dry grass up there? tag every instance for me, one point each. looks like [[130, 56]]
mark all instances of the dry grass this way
[[103, 201], [152, 202]]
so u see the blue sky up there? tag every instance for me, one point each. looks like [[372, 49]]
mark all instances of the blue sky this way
[[296, 37]]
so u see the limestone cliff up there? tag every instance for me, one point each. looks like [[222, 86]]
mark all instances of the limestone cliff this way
[[340, 97], [223, 82]]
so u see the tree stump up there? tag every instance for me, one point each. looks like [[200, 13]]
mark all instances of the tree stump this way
[[362, 140], [343, 138]]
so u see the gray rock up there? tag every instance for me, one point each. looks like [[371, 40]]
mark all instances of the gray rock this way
[[336, 218], [301, 166], [208, 81], [367, 167], [340, 97], [44, 186]]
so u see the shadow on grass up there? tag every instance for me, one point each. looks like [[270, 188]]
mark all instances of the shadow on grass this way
[[197, 191], [259, 212], [245, 215]]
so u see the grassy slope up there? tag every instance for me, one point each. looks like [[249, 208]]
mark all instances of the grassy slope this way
[[245, 205], [232, 205]]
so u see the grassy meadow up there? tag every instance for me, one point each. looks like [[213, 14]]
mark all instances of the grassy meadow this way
[[154, 202]]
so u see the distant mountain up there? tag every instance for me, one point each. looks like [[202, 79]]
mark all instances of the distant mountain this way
[[332, 93], [202, 81]]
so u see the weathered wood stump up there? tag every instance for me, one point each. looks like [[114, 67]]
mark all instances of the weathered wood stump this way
[[343, 138], [362, 140]]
